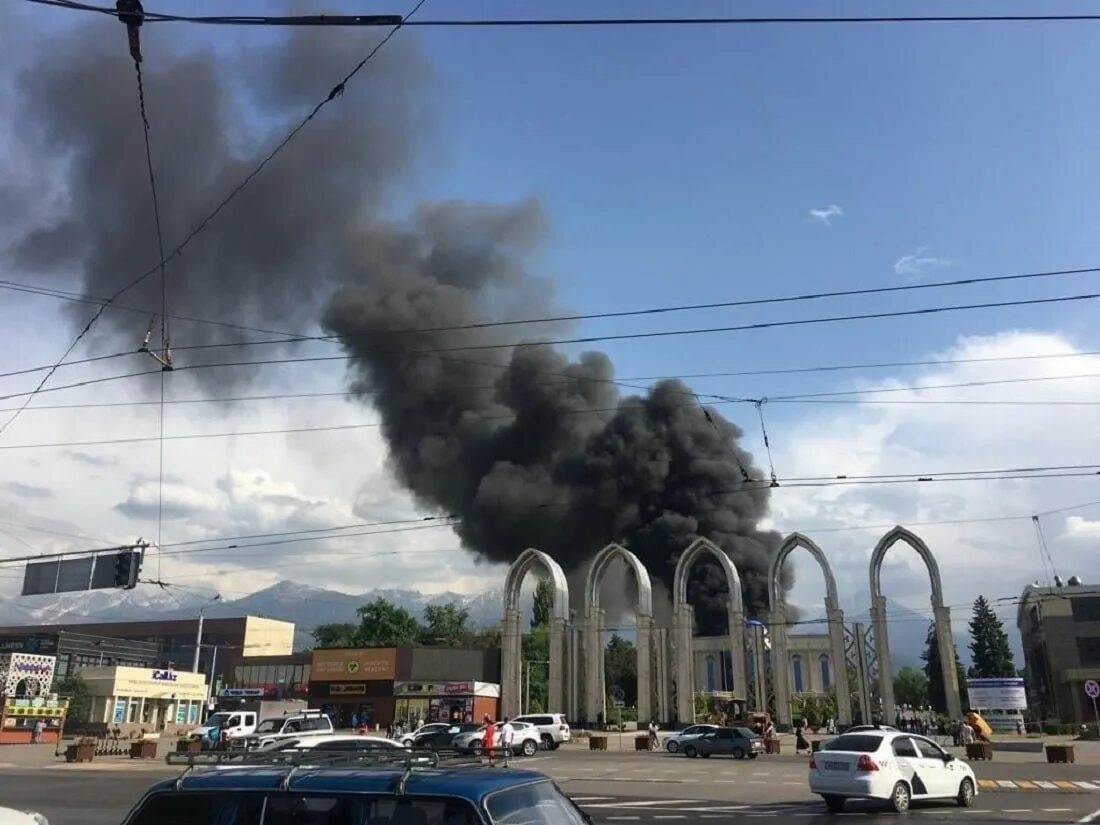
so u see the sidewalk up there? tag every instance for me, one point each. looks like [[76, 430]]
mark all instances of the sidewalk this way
[[53, 756]]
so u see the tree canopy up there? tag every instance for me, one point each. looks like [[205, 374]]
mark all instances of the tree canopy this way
[[382, 623], [937, 694], [911, 687], [543, 608], [75, 689], [989, 648]]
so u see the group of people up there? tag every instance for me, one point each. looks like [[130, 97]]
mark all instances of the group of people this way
[[497, 739]]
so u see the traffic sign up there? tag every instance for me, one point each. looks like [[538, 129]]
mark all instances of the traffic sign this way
[[618, 694], [1092, 689], [618, 703]]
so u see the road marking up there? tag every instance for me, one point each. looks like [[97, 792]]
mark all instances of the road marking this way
[[725, 781], [632, 818], [976, 811], [670, 816], [1046, 786], [1087, 785], [1056, 810], [1006, 783], [760, 773], [1016, 810], [1069, 786], [1025, 784], [757, 782], [1095, 815], [589, 798], [645, 803]]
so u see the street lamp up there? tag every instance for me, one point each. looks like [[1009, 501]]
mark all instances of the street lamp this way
[[198, 636]]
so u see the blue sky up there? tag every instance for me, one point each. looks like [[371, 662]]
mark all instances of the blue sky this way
[[681, 165]]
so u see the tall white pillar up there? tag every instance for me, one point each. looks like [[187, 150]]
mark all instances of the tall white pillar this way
[[664, 677], [511, 666], [643, 645], [737, 651], [839, 664], [882, 652], [594, 692], [556, 689], [946, 644], [781, 673], [684, 631]]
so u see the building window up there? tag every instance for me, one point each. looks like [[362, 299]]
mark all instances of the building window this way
[[824, 671], [1086, 609], [710, 673], [796, 669], [1088, 650]]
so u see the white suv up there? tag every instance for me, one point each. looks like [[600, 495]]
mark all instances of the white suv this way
[[890, 766], [553, 728], [277, 728]]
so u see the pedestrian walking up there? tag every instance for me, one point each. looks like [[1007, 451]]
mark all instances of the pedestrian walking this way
[[354, 720], [487, 742], [800, 742], [36, 733], [654, 744], [507, 735]]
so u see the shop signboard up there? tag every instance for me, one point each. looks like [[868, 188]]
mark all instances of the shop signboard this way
[[347, 690], [997, 694], [243, 693], [354, 664]]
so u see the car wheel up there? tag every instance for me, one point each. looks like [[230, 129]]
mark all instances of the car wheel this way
[[529, 747], [672, 746], [690, 752], [705, 755], [547, 741], [966, 793], [834, 803], [900, 798], [738, 753], [475, 747]]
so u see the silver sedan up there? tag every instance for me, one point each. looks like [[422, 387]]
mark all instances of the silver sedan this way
[[674, 741]]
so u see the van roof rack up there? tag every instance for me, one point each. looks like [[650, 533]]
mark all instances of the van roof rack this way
[[306, 758]]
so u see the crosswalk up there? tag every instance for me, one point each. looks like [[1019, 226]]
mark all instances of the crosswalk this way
[[1055, 785]]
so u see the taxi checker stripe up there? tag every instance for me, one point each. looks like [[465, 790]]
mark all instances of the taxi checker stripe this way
[[1037, 785]]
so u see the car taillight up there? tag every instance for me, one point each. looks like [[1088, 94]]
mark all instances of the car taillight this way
[[563, 728], [866, 763]]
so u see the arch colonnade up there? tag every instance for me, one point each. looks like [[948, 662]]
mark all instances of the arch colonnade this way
[[665, 667]]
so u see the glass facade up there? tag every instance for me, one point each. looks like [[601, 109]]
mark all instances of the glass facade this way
[[287, 679]]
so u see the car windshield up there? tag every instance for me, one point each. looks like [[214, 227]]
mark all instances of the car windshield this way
[[218, 719], [270, 726], [855, 743], [539, 803]]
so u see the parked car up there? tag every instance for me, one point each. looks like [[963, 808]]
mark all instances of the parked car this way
[[553, 727], [356, 793], [890, 766], [349, 743], [735, 742], [674, 741], [10, 816], [525, 739], [277, 728], [860, 729], [443, 739], [423, 730]]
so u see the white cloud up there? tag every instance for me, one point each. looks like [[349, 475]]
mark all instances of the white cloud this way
[[920, 263], [827, 215], [1083, 528]]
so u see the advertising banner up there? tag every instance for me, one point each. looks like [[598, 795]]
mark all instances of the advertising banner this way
[[1000, 694], [354, 664]]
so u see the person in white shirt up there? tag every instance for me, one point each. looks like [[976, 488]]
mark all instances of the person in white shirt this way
[[507, 734]]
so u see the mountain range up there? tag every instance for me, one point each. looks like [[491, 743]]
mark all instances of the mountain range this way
[[309, 606]]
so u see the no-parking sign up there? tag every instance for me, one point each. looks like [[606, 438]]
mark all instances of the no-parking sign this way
[[1092, 688]]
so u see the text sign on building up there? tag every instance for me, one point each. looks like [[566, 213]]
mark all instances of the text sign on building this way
[[999, 694], [353, 664], [165, 676]]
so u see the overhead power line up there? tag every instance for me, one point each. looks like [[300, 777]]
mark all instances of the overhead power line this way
[[358, 20], [290, 338]]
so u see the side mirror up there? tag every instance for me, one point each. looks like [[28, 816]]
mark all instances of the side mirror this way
[[947, 757]]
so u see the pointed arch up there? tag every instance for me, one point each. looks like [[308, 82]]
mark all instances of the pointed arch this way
[[899, 533], [528, 559], [687, 560], [775, 597], [599, 566]]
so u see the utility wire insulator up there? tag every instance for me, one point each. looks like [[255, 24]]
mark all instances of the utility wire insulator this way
[[132, 15]]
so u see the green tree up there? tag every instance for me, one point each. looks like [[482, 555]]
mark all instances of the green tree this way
[[336, 634], [383, 623], [446, 624], [937, 694], [484, 638], [621, 668], [544, 604], [911, 687], [75, 689], [989, 647], [536, 670]]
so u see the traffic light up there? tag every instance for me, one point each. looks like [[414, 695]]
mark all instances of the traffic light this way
[[127, 567]]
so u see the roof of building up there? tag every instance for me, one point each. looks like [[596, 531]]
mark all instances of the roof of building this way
[[1037, 592]]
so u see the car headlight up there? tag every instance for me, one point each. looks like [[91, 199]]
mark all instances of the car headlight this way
[[38, 818]]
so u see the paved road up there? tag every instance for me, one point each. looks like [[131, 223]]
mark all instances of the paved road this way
[[646, 789]]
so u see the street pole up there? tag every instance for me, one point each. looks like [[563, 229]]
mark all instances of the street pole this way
[[198, 635], [1096, 714], [527, 691]]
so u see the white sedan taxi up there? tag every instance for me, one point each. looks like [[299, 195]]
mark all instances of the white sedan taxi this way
[[890, 766]]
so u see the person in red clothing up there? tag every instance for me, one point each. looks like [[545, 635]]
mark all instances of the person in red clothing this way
[[487, 742]]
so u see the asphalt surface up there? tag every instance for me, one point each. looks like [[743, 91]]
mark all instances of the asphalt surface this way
[[616, 788]]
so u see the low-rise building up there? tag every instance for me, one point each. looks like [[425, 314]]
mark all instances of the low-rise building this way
[[149, 700], [1060, 631]]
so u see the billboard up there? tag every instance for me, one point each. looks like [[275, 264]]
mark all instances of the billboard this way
[[354, 664], [1002, 694]]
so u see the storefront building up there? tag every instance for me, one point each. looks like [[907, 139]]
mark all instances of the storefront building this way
[[275, 677], [417, 702], [383, 685], [26, 698], [146, 700]]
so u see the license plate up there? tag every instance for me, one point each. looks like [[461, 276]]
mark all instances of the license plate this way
[[835, 766]]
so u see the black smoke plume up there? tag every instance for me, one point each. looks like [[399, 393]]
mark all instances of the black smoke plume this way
[[530, 446]]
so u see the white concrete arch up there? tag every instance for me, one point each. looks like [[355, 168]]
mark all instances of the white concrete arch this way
[[596, 689], [684, 621], [778, 628], [512, 634], [941, 613]]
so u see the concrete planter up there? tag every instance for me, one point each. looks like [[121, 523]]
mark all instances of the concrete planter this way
[[1059, 753], [597, 742], [145, 749], [189, 746], [979, 750], [80, 753]]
